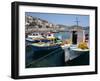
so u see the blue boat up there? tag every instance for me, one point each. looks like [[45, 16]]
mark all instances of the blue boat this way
[[44, 56], [30, 40]]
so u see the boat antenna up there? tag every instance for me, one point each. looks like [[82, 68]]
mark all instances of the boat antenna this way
[[77, 22]]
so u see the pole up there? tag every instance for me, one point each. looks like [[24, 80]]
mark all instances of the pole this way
[[77, 22]]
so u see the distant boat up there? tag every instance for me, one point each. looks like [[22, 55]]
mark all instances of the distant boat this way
[[37, 37], [41, 35]]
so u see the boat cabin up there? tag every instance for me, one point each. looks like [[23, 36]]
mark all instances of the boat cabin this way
[[77, 35]]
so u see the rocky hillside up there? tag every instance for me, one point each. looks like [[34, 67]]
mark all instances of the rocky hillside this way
[[37, 24], [40, 23]]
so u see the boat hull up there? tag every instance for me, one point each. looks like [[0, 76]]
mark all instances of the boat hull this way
[[50, 56]]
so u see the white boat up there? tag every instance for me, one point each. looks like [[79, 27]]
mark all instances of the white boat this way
[[41, 35], [35, 35], [72, 52], [76, 52], [50, 35]]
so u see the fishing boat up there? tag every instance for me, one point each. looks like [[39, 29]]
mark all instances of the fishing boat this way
[[76, 52], [40, 37], [35, 35], [30, 40], [44, 56], [77, 57]]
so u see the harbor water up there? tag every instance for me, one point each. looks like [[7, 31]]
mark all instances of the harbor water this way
[[63, 35]]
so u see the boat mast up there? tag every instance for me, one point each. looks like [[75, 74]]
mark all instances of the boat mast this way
[[77, 22]]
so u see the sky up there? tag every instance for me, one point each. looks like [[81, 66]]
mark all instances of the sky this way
[[64, 19]]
